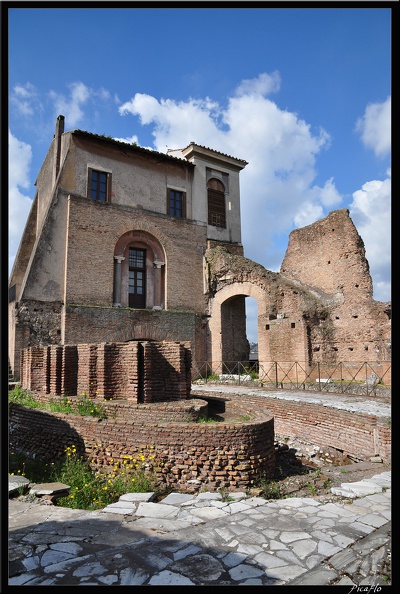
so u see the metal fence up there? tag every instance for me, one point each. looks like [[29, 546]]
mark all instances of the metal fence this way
[[343, 377]]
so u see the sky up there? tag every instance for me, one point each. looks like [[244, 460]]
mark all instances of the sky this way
[[302, 94]]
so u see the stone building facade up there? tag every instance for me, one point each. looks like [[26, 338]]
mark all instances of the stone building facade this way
[[124, 244]]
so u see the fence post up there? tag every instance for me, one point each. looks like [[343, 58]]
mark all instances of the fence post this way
[[341, 377], [319, 376]]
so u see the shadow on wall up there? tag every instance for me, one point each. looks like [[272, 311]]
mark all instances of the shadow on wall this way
[[31, 431]]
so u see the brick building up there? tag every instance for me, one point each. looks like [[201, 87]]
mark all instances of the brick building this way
[[124, 243], [114, 246]]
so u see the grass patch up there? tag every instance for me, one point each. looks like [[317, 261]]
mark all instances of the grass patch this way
[[206, 420], [81, 405], [23, 397]]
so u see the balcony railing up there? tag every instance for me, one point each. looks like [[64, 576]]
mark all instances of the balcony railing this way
[[345, 377]]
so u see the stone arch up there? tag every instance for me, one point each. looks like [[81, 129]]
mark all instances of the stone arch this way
[[154, 269], [227, 323]]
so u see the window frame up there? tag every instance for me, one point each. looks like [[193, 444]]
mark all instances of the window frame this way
[[92, 170], [135, 269], [169, 205]]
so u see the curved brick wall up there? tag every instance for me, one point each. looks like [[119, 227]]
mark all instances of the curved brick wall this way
[[188, 456], [184, 455]]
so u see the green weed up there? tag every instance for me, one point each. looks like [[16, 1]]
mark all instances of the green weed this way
[[270, 490], [89, 490]]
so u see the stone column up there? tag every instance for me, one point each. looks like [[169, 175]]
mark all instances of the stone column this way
[[117, 280], [158, 292]]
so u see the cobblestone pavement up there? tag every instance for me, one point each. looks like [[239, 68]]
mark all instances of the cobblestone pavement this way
[[205, 541]]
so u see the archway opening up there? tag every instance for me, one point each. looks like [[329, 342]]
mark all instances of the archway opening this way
[[233, 330], [252, 327]]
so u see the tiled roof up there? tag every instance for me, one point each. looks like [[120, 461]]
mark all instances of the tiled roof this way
[[134, 147], [214, 151]]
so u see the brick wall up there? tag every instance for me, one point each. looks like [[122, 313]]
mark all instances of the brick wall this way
[[142, 371], [184, 455], [356, 434], [93, 232], [214, 455]]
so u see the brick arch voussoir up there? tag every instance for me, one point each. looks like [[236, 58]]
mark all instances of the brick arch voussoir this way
[[235, 289], [145, 235]]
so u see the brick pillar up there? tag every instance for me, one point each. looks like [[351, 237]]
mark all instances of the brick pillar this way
[[55, 369], [87, 370], [37, 379], [69, 372]]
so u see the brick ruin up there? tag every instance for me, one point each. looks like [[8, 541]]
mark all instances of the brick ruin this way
[[137, 371], [318, 309], [144, 388], [77, 326], [152, 412]]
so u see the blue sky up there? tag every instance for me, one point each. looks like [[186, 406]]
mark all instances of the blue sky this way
[[302, 94]]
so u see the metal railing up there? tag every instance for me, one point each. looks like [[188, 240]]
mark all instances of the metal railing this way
[[344, 377]]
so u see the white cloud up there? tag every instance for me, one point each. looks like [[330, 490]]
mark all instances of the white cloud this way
[[371, 214], [19, 204], [375, 127], [24, 99], [277, 184], [175, 123], [71, 107], [262, 85]]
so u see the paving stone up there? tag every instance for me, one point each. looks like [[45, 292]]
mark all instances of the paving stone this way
[[137, 497], [48, 488], [273, 543]]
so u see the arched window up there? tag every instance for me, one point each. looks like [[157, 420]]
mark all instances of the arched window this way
[[216, 203], [139, 272]]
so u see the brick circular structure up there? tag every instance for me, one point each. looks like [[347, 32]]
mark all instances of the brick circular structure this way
[[184, 454]]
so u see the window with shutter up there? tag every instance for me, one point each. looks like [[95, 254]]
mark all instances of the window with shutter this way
[[216, 203]]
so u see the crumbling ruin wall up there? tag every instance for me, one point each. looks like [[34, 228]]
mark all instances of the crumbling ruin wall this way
[[319, 308], [329, 257]]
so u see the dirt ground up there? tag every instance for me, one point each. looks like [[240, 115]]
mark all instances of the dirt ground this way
[[297, 474]]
